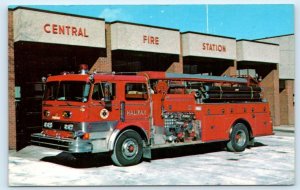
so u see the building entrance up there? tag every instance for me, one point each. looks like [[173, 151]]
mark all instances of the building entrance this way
[[33, 63]]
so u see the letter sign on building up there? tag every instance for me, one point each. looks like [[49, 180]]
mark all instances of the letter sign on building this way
[[213, 47], [151, 39], [127, 36], [201, 45], [65, 30], [46, 27]]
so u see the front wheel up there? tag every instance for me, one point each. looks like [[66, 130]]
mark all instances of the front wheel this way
[[128, 149], [239, 138]]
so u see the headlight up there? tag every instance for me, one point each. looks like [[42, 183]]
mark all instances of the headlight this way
[[67, 114], [68, 127], [46, 113], [48, 125]]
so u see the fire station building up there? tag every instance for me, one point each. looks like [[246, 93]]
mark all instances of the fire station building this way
[[43, 43], [286, 69]]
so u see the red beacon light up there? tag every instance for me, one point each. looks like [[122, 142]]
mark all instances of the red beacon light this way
[[64, 73], [83, 69]]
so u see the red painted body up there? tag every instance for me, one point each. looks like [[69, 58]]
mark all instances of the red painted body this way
[[144, 112]]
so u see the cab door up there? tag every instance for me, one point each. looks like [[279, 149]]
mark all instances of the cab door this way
[[99, 108]]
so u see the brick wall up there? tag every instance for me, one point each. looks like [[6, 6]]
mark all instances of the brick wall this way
[[104, 64], [287, 114], [270, 85], [11, 85], [177, 67], [283, 108], [290, 96], [231, 70]]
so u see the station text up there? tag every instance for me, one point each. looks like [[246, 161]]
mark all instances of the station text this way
[[213, 47]]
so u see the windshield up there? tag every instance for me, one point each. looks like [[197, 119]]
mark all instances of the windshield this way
[[67, 91]]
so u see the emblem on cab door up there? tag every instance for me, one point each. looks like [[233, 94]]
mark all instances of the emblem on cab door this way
[[104, 113]]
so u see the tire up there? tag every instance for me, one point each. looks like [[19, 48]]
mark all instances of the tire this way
[[239, 138], [128, 149]]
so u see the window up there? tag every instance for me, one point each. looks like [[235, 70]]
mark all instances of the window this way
[[67, 91], [98, 93], [51, 90], [73, 91], [136, 91]]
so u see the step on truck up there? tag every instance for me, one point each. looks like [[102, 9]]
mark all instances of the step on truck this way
[[128, 114]]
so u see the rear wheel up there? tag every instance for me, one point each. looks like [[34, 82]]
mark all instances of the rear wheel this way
[[239, 138], [128, 149]]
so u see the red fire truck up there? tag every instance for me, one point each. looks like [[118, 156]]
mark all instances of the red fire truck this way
[[128, 114]]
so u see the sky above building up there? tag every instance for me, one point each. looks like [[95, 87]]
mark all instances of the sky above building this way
[[238, 21]]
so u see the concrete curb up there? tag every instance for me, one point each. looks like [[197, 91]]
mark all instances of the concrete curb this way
[[288, 129]]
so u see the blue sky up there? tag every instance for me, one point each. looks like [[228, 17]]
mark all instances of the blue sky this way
[[239, 21]]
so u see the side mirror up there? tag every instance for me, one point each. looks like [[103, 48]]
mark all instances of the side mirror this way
[[107, 96]]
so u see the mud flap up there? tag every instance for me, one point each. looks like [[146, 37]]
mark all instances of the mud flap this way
[[147, 153], [251, 142]]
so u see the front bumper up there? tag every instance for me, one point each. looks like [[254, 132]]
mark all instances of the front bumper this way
[[102, 137], [70, 145]]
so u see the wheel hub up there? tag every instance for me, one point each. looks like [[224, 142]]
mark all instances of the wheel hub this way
[[240, 138], [129, 148]]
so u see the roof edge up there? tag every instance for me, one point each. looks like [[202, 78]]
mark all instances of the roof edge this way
[[283, 35], [258, 42], [206, 34], [54, 12], [146, 25]]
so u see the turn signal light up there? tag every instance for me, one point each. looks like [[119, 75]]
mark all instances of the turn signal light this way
[[86, 136]]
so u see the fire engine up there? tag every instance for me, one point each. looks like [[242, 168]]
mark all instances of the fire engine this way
[[128, 114]]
